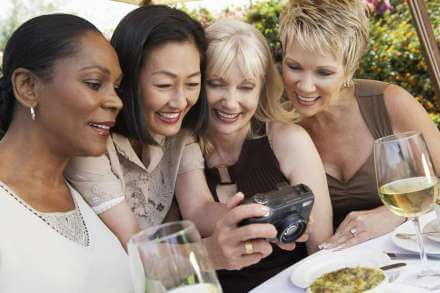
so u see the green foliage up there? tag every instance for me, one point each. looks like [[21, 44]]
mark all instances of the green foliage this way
[[265, 16], [395, 55], [436, 118]]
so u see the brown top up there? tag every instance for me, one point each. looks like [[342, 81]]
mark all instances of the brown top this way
[[146, 184], [256, 171], [360, 191]]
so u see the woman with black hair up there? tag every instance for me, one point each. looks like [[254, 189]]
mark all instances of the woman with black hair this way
[[57, 100], [162, 56]]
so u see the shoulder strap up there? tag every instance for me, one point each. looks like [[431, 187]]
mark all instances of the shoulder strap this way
[[369, 94]]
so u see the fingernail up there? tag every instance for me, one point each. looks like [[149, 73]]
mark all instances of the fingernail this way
[[266, 211]]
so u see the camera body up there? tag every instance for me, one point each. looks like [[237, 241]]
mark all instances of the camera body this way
[[290, 208]]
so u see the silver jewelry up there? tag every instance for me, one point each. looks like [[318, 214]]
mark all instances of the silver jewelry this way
[[33, 114], [353, 232]]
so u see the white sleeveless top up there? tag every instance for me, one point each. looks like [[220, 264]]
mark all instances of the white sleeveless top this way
[[34, 257]]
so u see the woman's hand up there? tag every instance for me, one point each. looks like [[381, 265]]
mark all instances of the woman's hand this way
[[232, 247], [291, 246], [361, 226]]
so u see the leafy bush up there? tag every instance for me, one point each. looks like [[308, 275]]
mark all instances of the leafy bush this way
[[395, 54], [265, 16]]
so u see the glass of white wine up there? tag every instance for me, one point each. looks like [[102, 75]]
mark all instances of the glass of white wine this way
[[406, 182], [171, 258]]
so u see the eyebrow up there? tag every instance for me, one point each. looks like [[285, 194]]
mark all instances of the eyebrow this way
[[333, 67], [170, 74], [101, 68]]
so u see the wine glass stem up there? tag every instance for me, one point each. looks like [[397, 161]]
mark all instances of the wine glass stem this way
[[423, 257], [437, 211]]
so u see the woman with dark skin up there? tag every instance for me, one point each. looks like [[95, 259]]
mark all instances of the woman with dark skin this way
[[57, 100]]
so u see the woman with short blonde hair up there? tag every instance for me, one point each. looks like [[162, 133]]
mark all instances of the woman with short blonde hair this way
[[323, 43]]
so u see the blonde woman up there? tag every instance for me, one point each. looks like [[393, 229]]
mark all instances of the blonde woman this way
[[322, 46], [251, 146]]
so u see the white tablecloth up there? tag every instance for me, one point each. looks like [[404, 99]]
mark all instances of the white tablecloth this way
[[281, 283]]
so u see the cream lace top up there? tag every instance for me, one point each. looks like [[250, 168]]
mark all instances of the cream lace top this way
[[58, 252]]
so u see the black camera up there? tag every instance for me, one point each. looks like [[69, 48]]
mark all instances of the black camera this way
[[290, 208]]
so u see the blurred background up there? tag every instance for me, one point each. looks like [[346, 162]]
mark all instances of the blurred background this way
[[395, 53]]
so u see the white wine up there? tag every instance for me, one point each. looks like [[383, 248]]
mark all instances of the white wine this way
[[198, 288], [409, 197], [437, 192]]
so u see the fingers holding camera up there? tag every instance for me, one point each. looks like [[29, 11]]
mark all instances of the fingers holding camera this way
[[235, 200], [285, 246], [241, 212], [226, 246], [237, 248], [256, 246], [250, 252]]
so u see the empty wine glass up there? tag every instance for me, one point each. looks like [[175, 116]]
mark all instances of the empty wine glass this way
[[407, 182], [171, 258]]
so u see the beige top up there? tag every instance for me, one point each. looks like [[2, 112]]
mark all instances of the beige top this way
[[147, 184]]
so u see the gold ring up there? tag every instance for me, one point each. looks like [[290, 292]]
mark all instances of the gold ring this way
[[248, 248]]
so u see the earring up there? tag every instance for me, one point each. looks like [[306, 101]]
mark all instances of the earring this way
[[33, 115], [348, 83]]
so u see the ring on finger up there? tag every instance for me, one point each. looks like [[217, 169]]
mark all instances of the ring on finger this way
[[353, 232], [248, 247]]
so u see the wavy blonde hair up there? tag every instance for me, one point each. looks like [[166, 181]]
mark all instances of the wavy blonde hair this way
[[235, 42], [336, 26]]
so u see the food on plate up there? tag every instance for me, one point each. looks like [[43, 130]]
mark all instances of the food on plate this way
[[348, 280]]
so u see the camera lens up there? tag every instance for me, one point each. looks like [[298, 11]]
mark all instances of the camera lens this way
[[291, 228]]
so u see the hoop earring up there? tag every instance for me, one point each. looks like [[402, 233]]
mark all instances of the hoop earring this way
[[33, 114], [348, 83]]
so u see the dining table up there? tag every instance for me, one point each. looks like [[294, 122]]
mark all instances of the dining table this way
[[281, 282]]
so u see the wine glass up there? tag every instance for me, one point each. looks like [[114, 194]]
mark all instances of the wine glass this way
[[437, 205], [171, 258], [406, 182]]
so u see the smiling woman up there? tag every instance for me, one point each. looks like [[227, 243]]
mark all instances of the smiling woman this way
[[57, 100], [323, 43], [162, 53], [251, 146]]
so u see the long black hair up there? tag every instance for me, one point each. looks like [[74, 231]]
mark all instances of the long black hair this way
[[143, 29], [35, 46]]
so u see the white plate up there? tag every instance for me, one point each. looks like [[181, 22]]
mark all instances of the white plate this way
[[401, 288], [433, 226], [431, 247], [307, 270]]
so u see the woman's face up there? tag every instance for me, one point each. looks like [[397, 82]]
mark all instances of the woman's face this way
[[311, 78], [79, 104], [170, 86], [232, 101]]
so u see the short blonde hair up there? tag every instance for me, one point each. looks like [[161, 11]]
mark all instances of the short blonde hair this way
[[236, 42], [336, 26]]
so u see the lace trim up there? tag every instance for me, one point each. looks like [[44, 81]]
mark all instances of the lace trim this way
[[70, 225]]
